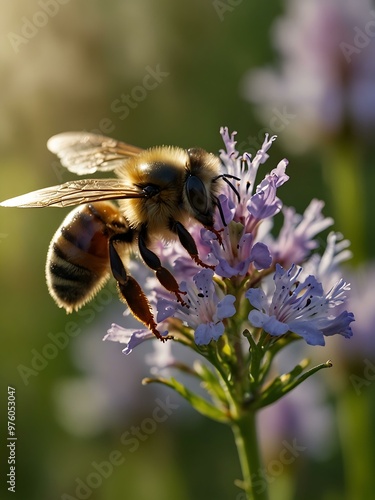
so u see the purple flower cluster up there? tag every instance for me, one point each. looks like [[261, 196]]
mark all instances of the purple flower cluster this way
[[300, 307], [252, 265]]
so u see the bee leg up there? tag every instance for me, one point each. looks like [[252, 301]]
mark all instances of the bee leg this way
[[131, 292], [217, 233], [165, 277], [188, 242]]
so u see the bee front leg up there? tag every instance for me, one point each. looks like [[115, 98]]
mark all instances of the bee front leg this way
[[130, 290], [165, 277], [187, 242]]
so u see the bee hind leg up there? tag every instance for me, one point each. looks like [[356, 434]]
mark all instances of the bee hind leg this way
[[165, 277], [132, 293]]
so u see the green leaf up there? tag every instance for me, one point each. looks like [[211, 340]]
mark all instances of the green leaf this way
[[211, 383], [200, 404], [287, 382]]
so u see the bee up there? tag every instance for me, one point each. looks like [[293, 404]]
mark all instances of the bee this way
[[157, 191]]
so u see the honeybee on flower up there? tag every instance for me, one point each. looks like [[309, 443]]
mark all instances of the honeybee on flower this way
[[250, 266]]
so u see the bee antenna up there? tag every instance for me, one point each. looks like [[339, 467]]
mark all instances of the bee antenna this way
[[225, 178], [218, 204]]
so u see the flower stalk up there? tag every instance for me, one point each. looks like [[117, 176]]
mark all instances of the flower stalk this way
[[246, 439]]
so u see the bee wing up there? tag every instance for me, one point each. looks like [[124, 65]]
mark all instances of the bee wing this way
[[86, 153], [75, 193]]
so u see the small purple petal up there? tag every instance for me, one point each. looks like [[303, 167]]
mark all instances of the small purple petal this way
[[279, 172], [262, 156], [203, 280], [166, 308], [227, 208], [218, 330], [264, 203], [230, 143], [275, 327], [257, 318], [270, 324], [128, 336], [207, 332], [224, 269], [225, 308], [260, 256], [244, 246], [311, 334], [340, 325], [185, 267], [257, 298]]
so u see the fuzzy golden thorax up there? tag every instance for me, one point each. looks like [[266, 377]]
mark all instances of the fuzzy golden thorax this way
[[167, 169]]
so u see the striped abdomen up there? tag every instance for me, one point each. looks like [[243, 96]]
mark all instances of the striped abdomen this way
[[78, 256]]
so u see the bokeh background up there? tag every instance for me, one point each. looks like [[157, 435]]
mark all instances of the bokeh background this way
[[65, 66]]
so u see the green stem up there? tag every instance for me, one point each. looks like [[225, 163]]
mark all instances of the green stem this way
[[245, 433], [343, 175]]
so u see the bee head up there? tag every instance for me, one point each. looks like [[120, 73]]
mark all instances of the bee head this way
[[200, 189]]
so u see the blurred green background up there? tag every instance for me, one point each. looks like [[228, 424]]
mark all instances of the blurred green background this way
[[73, 409]]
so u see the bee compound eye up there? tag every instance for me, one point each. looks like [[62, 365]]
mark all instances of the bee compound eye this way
[[197, 195]]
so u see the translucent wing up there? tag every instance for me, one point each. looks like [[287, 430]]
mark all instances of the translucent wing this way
[[86, 153], [75, 193]]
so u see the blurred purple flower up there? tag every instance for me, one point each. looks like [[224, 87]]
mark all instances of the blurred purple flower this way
[[295, 240], [326, 267], [361, 301], [327, 72]]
